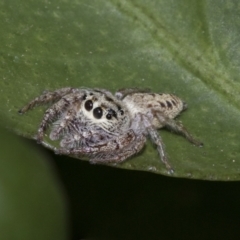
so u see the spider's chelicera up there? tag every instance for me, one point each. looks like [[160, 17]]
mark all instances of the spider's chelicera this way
[[108, 128]]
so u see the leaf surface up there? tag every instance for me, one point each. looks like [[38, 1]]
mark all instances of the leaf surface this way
[[188, 48]]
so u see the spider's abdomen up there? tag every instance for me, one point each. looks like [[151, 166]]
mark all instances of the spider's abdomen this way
[[146, 103]]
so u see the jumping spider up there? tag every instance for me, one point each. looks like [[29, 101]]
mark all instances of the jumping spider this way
[[108, 128]]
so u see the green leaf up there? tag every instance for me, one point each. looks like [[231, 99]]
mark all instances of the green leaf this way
[[189, 48], [31, 201]]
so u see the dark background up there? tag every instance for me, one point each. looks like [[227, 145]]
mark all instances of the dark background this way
[[110, 203]]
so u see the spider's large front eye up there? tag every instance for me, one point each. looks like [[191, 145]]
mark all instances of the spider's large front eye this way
[[88, 105], [97, 113]]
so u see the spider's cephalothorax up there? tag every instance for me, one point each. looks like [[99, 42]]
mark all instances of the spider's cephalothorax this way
[[106, 127]]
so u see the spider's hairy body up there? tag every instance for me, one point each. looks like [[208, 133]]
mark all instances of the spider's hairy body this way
[[106, 127]]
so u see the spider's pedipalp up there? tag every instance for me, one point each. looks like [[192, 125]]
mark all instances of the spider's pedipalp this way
[[93, 148]]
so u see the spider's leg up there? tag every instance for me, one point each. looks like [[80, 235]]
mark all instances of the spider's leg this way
[[178, 128], [102, 91], [119, 155], [156, 139], [65, 125], [122, 93], [95, 148], [57, 109], [46, 97]]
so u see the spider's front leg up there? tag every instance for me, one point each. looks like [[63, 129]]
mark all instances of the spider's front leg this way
[[71, 101], [118, 155], [94, 149], [66, 124], [46, 97]]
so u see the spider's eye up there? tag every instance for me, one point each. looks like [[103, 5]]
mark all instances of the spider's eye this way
[[120, 110], [109, 116], [97, 113], [84, 97], [88, 105], [111, 113]]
